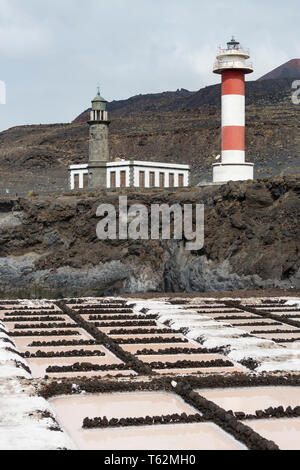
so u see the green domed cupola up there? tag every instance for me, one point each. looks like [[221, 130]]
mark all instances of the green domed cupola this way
[[99, 108], [99, 103]]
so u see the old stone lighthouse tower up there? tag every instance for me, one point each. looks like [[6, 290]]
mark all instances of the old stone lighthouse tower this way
[[101, 172], [98, 148]]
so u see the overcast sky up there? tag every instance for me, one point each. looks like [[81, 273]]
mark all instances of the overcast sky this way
[[54, 52]]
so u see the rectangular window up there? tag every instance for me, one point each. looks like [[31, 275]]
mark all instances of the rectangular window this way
[[113, 179], [152, 179], [123, 179], [161, 180], [181, 181], [142, 179], [85, 181], [171, 180], [76, 182]]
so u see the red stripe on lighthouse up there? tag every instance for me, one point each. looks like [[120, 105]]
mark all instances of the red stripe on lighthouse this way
[[233, 82], [233, 138]]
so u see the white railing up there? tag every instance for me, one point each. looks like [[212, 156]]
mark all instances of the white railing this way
[[238, 50], [222, 64]]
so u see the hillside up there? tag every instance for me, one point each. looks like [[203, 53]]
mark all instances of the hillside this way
[[177, 126], [257, 93], [290, 69]]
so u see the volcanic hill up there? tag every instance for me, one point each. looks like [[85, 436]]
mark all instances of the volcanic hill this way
[[181, 126], [290, 69]]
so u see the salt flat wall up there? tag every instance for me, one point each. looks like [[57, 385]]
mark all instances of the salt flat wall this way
[[252, 240]]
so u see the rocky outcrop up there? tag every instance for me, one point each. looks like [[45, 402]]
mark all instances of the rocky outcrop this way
[[49, 246]]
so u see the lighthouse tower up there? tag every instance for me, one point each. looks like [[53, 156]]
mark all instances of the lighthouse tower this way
[[231, 64], [98, 146]]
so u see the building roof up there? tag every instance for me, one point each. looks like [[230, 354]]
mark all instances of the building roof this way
[[153, 165], [99, 98]]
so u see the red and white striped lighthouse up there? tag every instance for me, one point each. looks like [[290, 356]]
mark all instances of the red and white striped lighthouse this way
[[231, 64]]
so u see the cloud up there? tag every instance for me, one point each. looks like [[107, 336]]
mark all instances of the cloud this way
[[21, 36], [54, 52]]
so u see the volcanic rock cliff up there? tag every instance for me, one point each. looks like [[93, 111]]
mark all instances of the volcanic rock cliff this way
[[49, 247]]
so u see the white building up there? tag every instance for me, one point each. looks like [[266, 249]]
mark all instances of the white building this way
[[134, 174], [101, 173], [79, 176]]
